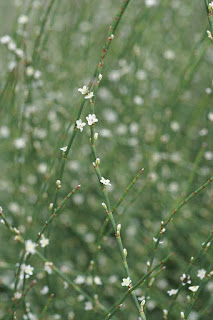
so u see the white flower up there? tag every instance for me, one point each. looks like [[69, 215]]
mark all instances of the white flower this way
[[80, 124], [100, 77], [28, 270], [210, 116], [64, 149], [91, 119], [209, 34], [185, 278], [44, 241], [5, 39], [44, 290], [201, 273], [19, 143], [182, 315], [48, 267], [88, 306], [79, 279], [193, 288], [97, 281], [20, 53], [105, 181], [84, 90], [17, 295], [29, 71], [210, 6], [23, 19], [30, 246], [89, 95], [172, 292], [126, 282], [151, 3]]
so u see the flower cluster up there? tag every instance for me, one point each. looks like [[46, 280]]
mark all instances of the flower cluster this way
[[86, 93]]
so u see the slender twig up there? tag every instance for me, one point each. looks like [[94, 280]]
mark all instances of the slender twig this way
[[171, 217], [118, 304], [188, 270]]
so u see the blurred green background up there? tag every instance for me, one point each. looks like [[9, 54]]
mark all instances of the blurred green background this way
[[155, 112]]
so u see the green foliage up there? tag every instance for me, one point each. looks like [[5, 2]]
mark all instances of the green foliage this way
[[154, 111]]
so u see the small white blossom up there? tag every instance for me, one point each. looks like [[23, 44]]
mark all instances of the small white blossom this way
[[88, 306], [210, 116], [48, 267], [28, 270], [210, 6], [201, 273], [44, 290], [19, 143], [80, 125], [83, 90], [89, 95], [79, 279], [151, 3], [44, 241], [20, 53], [29, 71], [185, 278], [126, 282], [30, 246], [64, 149], [209, 35], [172, 292], [5, 39], [91, 119], [17, 295], [100, 77], [182, 315], [106, 182], [23, 19], [97, 281], [193, 288]]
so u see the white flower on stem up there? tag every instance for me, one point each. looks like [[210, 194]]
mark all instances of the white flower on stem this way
[[106, 182], [185, 278], [44, 241], [100, 77], [17, 295], [97, 281], [30, 246], [210, 6], [64, 149], [23, 19], [89, 95], [182, 315], [88, 306], [28, 270], [80, 279], [44, 290], [5, 39], [193, 288], [210, 116], [209, 34], [83, 90], [48, 267], [201, 273], [80, 125], [172, 292], [91, 119], [126, 282]]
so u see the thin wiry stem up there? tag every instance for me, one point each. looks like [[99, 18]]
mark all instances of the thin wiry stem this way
[[171, 217], [118, 304]]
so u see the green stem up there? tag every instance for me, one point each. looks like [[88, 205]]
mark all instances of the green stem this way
[[118, 304], [188, 270], [171, 217]]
